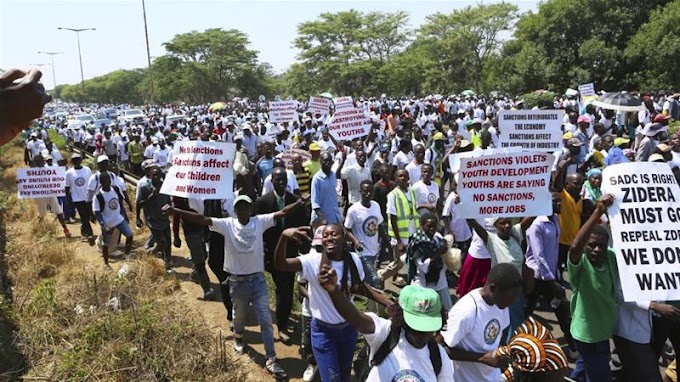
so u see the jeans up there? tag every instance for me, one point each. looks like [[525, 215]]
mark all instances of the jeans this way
[[196, 246], [639, 361], [445, 299], [162, 237], [517, 316], [592, 364], [370, 271], [333, 346], [84, 213], [252, 290], [284, 281], [123, 228], [306, 341]]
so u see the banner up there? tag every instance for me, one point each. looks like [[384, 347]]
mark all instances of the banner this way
[[41, 182], [505, 185], [586, 90], [454, 159], [348, 124], [645, 231], [343, 103], [283, 111], [319, 105], [535, 130], [287, 156], [201, 170]]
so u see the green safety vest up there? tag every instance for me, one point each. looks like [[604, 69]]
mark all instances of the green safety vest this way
[[405, 212]]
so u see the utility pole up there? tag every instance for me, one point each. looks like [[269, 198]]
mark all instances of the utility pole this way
[[148, 53], [80, 56], [54, 76]]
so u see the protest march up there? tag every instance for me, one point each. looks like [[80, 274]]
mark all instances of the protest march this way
[[461, 236]]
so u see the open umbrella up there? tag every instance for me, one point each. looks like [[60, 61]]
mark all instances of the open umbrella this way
[[620, 101], [218, 106], [468, 92], [326, 95]]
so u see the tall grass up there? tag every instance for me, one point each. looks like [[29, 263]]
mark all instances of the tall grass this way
[[71, 321]]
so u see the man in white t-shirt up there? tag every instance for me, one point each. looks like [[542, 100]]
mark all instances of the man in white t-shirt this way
[[363, 221], [411, 350], [76, 188], [108, 209], [476, 323], [427, 191], [244, 261]]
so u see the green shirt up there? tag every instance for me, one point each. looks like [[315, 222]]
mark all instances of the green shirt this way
[[312, 167], [593, 304], [136, 152]]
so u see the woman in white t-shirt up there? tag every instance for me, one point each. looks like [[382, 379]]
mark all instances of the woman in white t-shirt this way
[[426, 266], [505, 246], [333, 339]]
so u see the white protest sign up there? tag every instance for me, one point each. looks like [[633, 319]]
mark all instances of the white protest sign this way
[[536, 130], [283, 111], [287, 156], [505, 185], [342, 103], [201, 170], [587, 90], [645, 231], [348, 124], [319, 105], [41, 182], [454, 159]]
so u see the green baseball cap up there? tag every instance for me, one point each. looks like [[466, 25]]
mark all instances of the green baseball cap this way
[[422, 308]]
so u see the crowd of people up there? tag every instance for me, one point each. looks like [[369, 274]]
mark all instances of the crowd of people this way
[[362, 217]]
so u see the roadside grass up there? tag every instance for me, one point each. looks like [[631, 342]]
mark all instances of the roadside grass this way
[[70, 322]]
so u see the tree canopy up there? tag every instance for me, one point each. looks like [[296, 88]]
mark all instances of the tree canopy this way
[[616, 44]]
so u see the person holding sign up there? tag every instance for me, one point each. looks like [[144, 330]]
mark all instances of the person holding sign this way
[[243, 260], [50, 201], [593, 274], [505, 246]]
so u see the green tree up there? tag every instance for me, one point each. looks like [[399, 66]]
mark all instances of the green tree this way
[[580, 40], [342, 51], [463, 42], [655, 48], [212, 63]]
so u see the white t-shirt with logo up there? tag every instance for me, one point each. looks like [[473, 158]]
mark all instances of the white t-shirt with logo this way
[[243, 246], [320, 304], [405, 363], [458, 227], [426, 194], [364, 222], [76, 181], [111, 212], [475, 326]]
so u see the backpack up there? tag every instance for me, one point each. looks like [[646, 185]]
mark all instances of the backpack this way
[[102, 202], [363, 366]]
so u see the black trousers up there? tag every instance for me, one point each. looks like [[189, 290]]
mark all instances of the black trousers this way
[[216, 264], [84, 213], [551, 291], [284, 281]]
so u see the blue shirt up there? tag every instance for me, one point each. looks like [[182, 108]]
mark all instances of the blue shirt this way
[[265, 167], [325, 198], [543, 243]]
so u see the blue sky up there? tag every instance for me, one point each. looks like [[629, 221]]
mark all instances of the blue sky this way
[[28, 26]]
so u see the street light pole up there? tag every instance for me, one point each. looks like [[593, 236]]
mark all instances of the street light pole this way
[[54, 76], [80, 57], [148, 53]]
